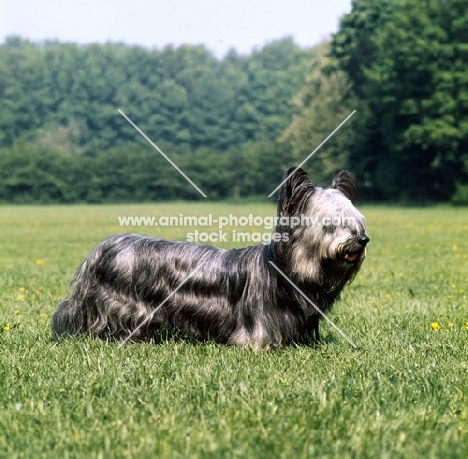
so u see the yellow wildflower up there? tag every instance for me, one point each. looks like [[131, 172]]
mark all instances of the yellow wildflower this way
[[436, 287], [435, 326], [21, 289], [466, 325], [40, 262], [454, 247], [20, 297], [42, 314], [450, 324], [6, 328], [461, 291]]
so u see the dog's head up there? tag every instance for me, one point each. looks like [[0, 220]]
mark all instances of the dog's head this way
[[327, 234]]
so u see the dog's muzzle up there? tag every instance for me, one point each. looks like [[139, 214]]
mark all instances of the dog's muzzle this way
[[355, 251]]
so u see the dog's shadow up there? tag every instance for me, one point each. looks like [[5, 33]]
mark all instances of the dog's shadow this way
[[165, 336]]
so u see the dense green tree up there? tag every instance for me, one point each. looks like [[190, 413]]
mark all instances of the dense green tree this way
[[417, 89], [323, 104], [406, 64], [257, 168], [29, 173]]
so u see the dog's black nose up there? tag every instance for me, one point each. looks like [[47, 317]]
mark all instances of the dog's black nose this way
[[363, 239]]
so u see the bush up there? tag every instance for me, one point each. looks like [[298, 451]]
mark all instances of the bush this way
[[460, 197]]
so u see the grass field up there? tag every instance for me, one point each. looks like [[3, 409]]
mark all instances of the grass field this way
[[403, 393]]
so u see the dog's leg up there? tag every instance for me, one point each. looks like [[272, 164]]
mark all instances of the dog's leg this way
[[315, 328]]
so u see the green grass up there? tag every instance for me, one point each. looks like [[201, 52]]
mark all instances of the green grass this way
[[403, 393]]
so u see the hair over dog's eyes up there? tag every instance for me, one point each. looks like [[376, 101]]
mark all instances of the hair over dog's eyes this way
[[329, 229]]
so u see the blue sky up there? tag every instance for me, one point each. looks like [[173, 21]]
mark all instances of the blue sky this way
[[219, 24]]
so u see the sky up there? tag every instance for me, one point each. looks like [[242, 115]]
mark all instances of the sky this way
[[218, 24]]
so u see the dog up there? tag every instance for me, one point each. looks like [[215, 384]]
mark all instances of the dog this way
[[131, 286]]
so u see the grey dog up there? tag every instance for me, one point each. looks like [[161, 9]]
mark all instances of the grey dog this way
[[236, 296]]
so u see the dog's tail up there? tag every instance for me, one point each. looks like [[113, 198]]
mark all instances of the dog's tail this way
[[88, 309], [68, 319], [71, 316]]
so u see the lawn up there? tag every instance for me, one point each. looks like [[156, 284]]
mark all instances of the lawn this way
[[402, 393]]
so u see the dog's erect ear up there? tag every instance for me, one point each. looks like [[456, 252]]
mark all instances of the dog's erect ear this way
[[293, 189], [346, 182]]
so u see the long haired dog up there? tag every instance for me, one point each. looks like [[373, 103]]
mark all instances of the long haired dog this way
[[235, 296]]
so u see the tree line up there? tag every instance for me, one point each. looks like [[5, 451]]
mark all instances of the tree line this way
[[234, 124], [63, 139]]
